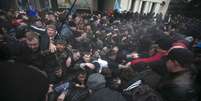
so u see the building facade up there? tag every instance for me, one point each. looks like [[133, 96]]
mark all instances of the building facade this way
[[145, 6], [140, 6]]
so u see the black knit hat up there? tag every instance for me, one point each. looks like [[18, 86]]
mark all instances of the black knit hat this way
[[183, 56], [164, 42]]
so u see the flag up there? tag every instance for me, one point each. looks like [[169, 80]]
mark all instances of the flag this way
[[31, 10], [117, 6], [73, 9], [20, 5], [47, 5]]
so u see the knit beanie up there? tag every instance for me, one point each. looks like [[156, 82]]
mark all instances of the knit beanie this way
[[182, 55], [164, 42], [96, 81]]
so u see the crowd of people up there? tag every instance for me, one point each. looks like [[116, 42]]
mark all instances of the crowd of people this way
[[104, 56]]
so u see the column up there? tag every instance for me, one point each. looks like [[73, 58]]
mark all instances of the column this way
[[156, 10], [146, 7], [123, 4], [95, 5], [132, 5], [50, 4], [140, 6], [165, 7], [150, 6], [129, 5], [38, 4], [136, 6]]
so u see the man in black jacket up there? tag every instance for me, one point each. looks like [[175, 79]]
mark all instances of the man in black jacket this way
[[27, 51], [179, 85], [99, 92]]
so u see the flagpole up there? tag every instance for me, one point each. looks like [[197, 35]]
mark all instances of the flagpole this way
[[27, 4], [71, 8], [59, 31]]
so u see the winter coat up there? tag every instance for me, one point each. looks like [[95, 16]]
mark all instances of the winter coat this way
[[178, 87], [106, 94]]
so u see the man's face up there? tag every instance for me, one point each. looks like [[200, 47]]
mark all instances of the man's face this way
[[51, 32], [115, 50], [52, 17], [170, 65], [76, 56], [58, 73], [33, 44], [87, 58], [60, 47], [70, 17], [77, 20], [39, 23], [81, 77]]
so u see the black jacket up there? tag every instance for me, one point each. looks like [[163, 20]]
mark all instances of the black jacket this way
[[44, 38], [178, 87], [106, 94]]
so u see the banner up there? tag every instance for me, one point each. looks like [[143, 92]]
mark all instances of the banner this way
[[32, 10], [117, 6]]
